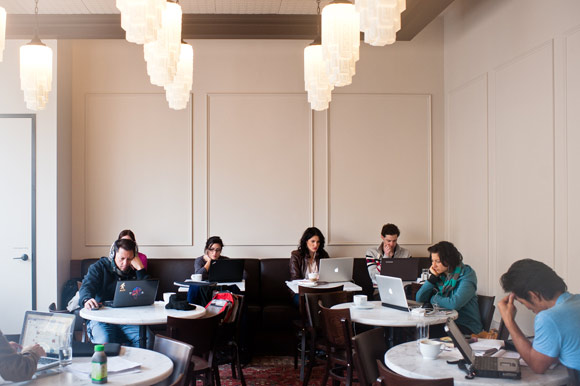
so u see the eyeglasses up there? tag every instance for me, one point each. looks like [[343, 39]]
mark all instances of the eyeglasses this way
[[218, 250]]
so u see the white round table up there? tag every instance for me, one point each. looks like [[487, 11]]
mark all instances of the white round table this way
[[155, 367], [141, 316], [405, 360], [382, 316]]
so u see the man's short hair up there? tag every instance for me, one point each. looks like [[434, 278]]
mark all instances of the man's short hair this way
[[126, 244], [390, 229], [530, 275]]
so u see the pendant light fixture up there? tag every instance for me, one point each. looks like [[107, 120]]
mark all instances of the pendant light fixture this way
[[35, 70], [380, 20], [2, 32], [340, 41], [141, 19], [163, 54], [178, 91], [316, 81]]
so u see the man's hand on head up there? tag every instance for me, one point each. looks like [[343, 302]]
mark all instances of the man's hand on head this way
[[507, 308]]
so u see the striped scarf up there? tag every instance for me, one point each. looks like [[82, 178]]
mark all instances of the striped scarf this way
[[450, 280]]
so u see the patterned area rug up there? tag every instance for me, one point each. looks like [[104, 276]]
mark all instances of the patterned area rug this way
[[269, 371]]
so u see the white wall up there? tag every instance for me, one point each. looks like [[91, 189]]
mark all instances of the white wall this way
[[512, 88], [248, 160]]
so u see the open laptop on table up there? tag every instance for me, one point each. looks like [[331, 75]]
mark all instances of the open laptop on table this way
[[392, 293], [48, 330], [488, 367], [226, 271], [407, 269], [132, 293], [333, 270]]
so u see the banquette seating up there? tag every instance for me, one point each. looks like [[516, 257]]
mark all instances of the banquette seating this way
[[267, 327]]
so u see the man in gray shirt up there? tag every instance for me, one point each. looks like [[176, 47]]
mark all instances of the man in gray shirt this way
[[388, 249]]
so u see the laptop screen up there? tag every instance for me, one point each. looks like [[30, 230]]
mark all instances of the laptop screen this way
[[462, 344], [46, 329]]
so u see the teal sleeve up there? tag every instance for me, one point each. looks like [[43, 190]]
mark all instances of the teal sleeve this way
[[463, 292], [425, 292]]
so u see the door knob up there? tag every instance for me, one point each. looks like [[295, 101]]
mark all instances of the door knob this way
[[24, 257]]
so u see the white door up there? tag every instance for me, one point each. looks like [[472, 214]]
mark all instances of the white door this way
[[17, 286]]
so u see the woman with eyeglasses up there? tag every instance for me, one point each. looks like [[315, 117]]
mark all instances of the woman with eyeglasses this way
[[212, 251]]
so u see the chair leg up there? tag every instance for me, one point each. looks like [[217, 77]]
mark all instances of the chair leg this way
[[216, 376], [295, 356], [326, 372], [239, 365], [302, 354]]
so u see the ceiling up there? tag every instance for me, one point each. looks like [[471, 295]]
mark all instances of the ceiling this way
[[202, 19]]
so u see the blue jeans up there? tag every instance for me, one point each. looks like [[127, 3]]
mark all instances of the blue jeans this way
[[113, 333]]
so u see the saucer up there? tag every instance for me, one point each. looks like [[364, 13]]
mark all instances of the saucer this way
[[367, 306], [307, 283]]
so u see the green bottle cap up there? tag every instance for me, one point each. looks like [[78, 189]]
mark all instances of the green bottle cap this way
[[99, 347]]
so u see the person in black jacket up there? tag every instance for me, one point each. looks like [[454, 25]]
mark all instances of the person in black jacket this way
[[99, 286]]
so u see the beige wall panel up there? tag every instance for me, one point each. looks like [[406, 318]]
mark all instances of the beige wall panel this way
[[467, 167], [573, 164], [379, 171], [259, 168], [137, 169], [524, 145]]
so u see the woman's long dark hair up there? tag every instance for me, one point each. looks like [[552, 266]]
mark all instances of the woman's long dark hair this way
[[307, 235]]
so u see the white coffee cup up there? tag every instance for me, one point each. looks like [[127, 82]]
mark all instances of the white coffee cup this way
[[167, 295], [313, 276], [430, 349], [359, 300], [196, 277]]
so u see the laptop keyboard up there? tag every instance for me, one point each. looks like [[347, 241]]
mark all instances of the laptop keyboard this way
[[486, 363], [46, 360]]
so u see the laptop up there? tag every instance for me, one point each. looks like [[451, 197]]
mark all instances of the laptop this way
[[407, 269], [48, 330], [392, 293], [226, 271], [132, 293], [334, 270], [488, 367]]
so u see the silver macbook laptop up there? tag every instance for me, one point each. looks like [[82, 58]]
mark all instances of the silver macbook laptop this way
[[392, 293], [336, 269], [132, 293], [489, 367], [48, 330]]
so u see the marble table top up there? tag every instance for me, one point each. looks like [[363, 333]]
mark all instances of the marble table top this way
[[348, 286], [406, 360], [390, 317], [144, 315], [155, 367]]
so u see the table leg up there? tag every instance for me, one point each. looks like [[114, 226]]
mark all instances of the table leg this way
[[142, 336]]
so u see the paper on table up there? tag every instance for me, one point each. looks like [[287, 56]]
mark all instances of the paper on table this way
[[486, 344], [114, 365]]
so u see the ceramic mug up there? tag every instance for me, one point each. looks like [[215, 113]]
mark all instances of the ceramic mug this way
[[430, 349], [359, 300], [313, 276], [167, 295], [196, 277]]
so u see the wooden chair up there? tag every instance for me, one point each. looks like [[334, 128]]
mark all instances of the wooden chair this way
[[486, 310], [313, 322], [201, 334], [179, 353], [369, 346], [389, 378], [338, 332], [299, 325], [229, 341]]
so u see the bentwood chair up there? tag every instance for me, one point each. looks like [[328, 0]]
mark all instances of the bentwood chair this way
[[486, 310], [389, 378], [201, 334], [228, 341], [300, 325], [179, 353], [338, 333], [313, 326], [369, 346]]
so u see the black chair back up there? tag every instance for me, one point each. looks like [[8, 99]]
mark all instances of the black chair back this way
[[368, 347], [486, 310]]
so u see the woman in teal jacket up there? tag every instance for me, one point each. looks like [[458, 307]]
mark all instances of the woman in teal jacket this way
[[452, 285]]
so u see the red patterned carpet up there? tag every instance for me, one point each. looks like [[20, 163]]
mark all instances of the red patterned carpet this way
[[270, 371]]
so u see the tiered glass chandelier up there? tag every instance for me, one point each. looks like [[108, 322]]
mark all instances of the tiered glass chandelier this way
[[141, 19], [35, 70], [163, 54], [178, 91], [316, 80], [340, 41], [2, 32], [380, 20]]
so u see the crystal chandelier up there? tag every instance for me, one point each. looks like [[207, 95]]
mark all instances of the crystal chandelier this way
[[177, 92], [2, 32], [163, 54], [340, 41], [380, 20], [35, 70], [316, 80], [141, 19]]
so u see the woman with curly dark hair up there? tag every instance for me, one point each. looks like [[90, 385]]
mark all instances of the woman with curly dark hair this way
[[306, 259]]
